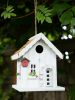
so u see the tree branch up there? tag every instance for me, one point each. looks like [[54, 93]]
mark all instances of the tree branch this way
[[24, 15], [28, 13]]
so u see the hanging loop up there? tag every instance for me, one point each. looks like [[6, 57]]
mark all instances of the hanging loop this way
[[35, 6]]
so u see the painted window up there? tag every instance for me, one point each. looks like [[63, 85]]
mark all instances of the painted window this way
[[33, 70]]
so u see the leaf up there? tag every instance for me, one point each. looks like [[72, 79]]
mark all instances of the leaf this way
[[9, 8], [50, 37], [66, 17], [43, 14], [5, 15], [47, 11], [2, 14], [48, 20], [8, 12], [42, 20], [60, 8], [48, 14], [13, 14], [73, 22], [41, 8], [38, 16], [9, 16], [44, 9], [73, 9]]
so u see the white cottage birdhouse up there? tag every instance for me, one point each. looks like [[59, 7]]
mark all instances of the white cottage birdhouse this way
[[37, 65]]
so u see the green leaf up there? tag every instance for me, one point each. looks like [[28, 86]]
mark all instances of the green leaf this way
[[47, 11], [42, 19], [73, 9], [48, 14], [38, 16], [9, 16], [41, 8], [8, 12], [3, 13], [9, 8], [66, 17], [13, 14], [48, 20], [73, 22], [44, 9], [50, 37], [43, 14], [60, 8]]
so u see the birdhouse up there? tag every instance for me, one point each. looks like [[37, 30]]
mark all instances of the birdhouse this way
[[37, 65]]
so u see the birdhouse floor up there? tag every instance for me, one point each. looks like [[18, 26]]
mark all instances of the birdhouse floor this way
[[21, 88]]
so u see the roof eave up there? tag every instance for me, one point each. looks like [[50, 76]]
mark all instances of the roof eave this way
[[24, 50], [14, 56], [57, 52], [35, 39]]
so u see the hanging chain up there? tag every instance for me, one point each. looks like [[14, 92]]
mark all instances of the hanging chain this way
[[35, 5]]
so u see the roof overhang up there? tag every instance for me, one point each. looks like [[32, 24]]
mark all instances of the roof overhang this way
[[35, 39]]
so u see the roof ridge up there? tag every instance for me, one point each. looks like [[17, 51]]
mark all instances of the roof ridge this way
[[40, 34], [31, 42]]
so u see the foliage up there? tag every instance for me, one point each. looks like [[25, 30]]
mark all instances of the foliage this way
[[8, 12], [51, 15], [65, 12], [43, 14], [4, 95], [66, 17], [59, 8], [49, 36]]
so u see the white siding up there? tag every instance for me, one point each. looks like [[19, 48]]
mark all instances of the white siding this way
[[18, 73], [47, 59]]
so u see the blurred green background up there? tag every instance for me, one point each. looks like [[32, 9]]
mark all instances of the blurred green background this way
[[55, 18]]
